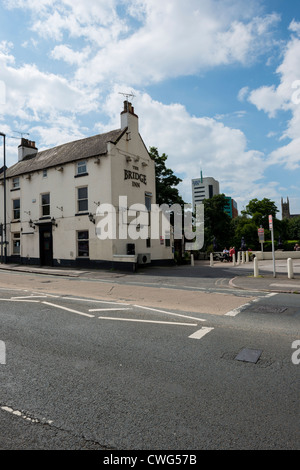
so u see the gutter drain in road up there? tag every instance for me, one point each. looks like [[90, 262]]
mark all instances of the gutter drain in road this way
[[248, 355]]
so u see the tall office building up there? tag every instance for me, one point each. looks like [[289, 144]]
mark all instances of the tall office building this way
[[204, 188]]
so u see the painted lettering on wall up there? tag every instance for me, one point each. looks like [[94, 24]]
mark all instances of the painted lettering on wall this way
[[133, 175]]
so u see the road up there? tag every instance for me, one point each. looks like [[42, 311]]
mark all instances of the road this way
[[123, 362]]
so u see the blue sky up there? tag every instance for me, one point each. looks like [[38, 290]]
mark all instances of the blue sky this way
[[216, 84]]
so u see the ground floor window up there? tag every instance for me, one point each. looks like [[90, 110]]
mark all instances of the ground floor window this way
[[16, 243], [83, 243]]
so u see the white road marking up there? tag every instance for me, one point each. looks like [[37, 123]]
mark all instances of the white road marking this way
[[200, 333], [69, 309], [22, 415], [236, 311], [29, 297], [107, 309], [169, 313], [19, 300], [47, 295], [148, 321]]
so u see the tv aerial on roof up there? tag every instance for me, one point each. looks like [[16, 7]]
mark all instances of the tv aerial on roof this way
[[21, 134], [127, 95]]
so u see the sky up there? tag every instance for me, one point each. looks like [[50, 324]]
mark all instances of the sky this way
[[216, 84]]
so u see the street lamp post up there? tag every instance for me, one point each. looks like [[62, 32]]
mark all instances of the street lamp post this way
[[4, 198]]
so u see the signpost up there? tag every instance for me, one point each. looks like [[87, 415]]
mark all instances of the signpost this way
[[272, 235], [261, 237]]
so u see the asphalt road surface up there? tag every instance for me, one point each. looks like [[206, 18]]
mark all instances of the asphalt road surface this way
[[122, 364]]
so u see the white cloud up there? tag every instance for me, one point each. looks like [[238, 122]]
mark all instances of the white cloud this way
[[70, 56], [196, 143], [286, 97], [173, 38], [180, 38]]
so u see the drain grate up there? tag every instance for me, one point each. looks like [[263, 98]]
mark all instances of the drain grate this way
[[249, 355]]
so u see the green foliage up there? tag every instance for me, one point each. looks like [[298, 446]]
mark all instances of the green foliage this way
[[217, 222], [166, 181], [260, 211]]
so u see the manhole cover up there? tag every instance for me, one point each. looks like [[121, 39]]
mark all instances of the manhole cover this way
[[269, 309], [249, 355]]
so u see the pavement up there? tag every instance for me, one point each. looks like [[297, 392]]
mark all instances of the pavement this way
[[239, 276]]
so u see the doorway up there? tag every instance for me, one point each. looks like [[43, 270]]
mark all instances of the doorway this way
[[46, 248]]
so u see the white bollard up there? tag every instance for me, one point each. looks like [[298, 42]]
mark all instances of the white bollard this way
[[247, 256], [233, 259], [238, 257], [211, 259], [290, 268], [192, 260], [255, 263], [243, 257]]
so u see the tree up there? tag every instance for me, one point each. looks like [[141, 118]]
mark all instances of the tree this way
[[243, 226], [216, 222], [260, 211], [166, 181]]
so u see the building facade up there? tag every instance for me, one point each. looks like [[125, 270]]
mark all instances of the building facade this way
[[231, 207], [204, 188], [285, 210], [55, 197]]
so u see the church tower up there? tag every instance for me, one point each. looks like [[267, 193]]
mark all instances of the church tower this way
[[285, 209]]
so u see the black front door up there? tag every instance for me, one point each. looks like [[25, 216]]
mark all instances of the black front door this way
[[46, 250]]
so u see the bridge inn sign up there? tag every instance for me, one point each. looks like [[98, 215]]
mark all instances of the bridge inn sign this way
[[52, 197]]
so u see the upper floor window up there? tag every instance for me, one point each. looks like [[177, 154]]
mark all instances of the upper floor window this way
[[45, 203], [81, 167], [82, 199], [16, 209], [44, 173], [16, 183]]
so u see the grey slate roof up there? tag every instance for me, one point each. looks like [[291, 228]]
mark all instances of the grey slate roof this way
[[66, 153]]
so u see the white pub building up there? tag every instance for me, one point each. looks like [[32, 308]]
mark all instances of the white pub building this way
[[53, 199]]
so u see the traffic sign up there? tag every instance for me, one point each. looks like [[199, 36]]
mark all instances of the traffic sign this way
[[270, 222], [261, 235]]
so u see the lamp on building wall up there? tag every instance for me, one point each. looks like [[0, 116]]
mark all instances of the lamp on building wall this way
[[4, 198], [92, 218], [53, 221], [31, 224]]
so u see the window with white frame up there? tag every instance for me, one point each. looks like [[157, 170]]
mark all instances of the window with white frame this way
[[82, 199], [83, 244], [16, 209], [45, 204], [81, 167], [16, 183]]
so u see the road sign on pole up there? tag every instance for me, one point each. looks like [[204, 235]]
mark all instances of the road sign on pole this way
[[270, 222], [261, 234]]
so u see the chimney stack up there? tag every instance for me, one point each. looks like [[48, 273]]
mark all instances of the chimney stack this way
[[129, 118], [27, 147]]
